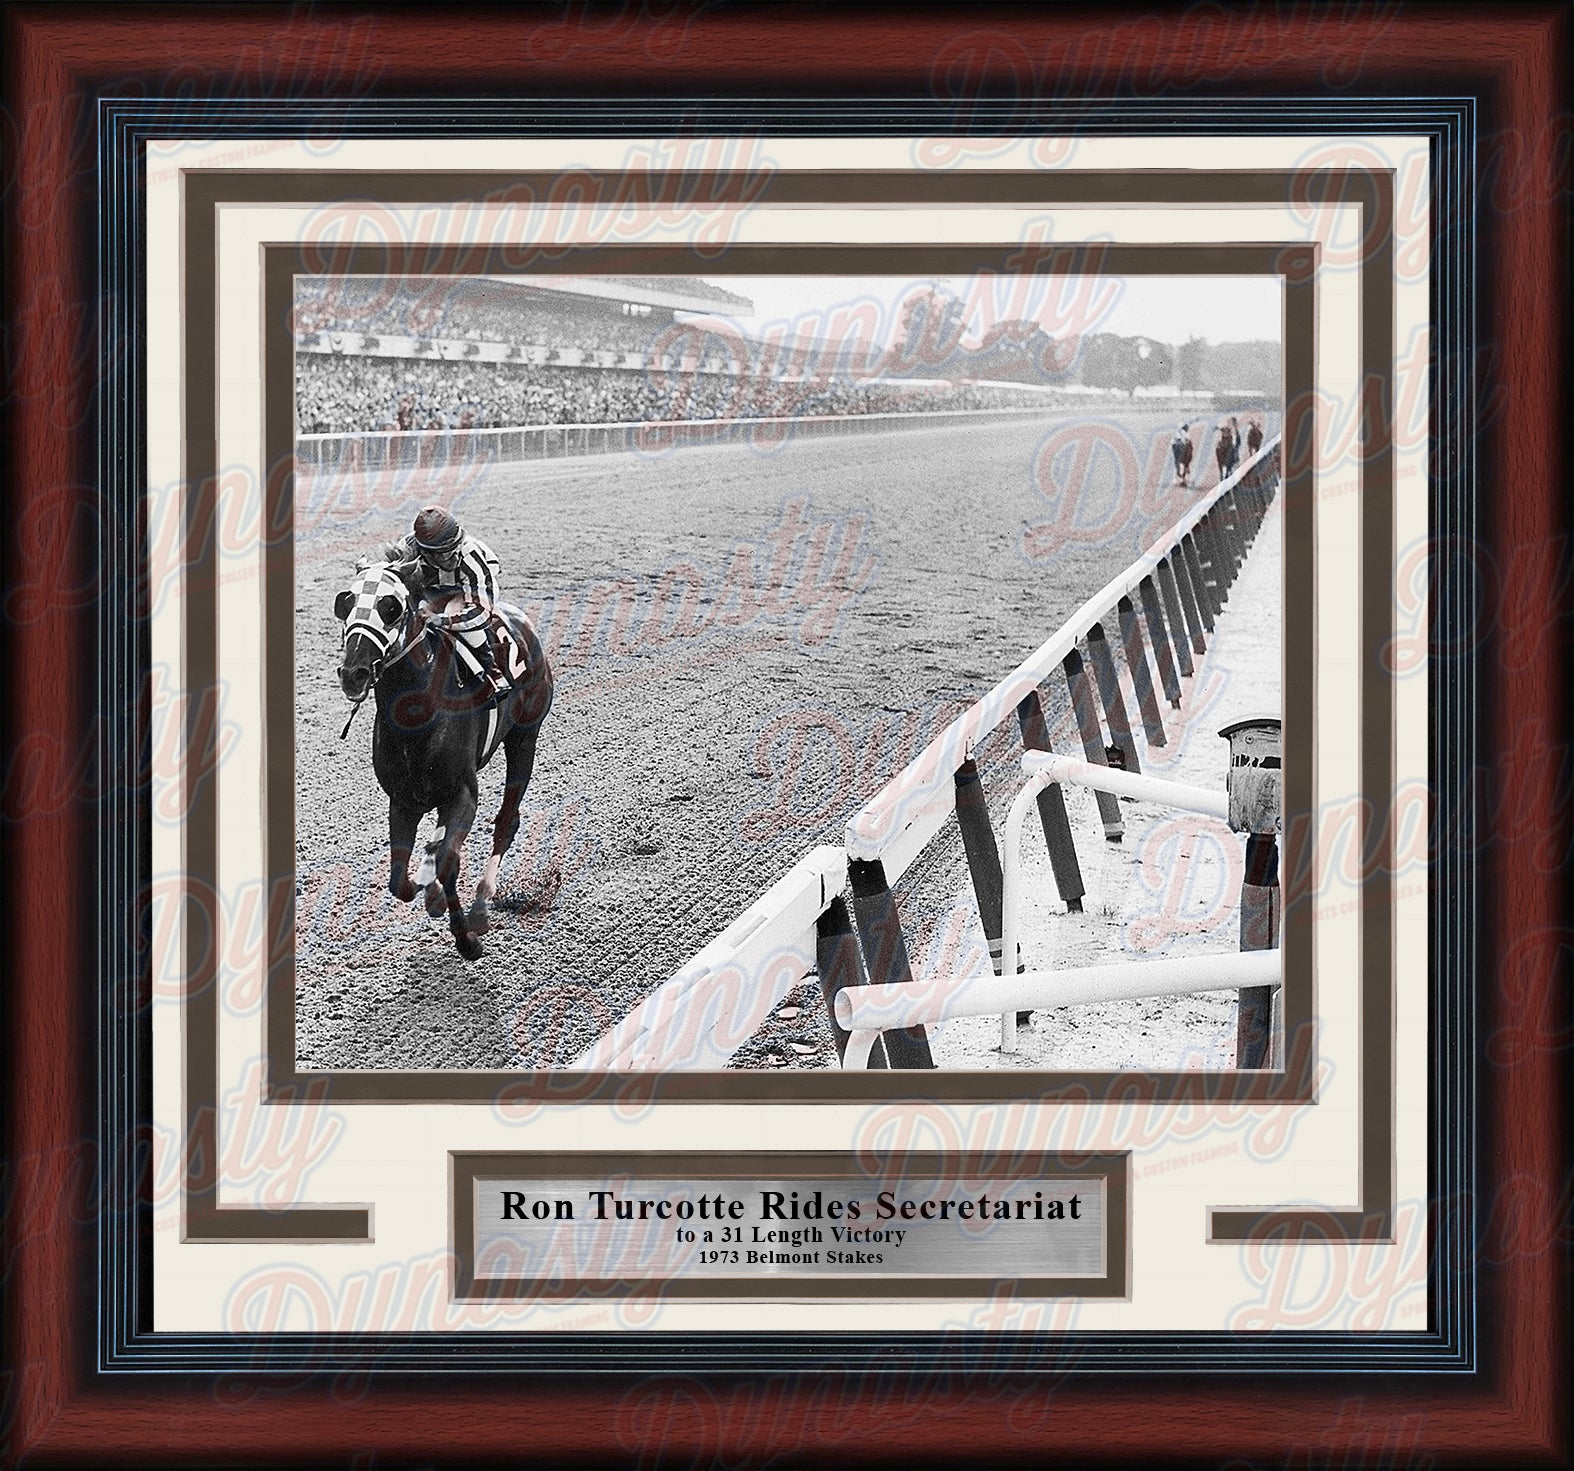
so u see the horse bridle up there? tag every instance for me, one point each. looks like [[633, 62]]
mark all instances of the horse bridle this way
[[380, 665]]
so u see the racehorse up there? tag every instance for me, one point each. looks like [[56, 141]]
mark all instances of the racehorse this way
[[1181, 449], [1225, 450], [436, 730]]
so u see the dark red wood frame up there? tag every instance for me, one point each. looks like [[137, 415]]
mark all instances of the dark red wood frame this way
[[56, 1409]]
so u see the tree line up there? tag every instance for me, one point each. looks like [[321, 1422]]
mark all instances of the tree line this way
[[932, 327]]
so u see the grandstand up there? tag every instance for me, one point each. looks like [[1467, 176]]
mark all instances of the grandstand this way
[[380, 355], [573, 314]]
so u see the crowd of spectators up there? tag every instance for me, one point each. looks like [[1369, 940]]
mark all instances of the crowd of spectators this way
[[470, 311], [349, 394], [693, 375]]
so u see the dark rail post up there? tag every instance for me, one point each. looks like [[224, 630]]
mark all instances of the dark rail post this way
[[983, 856], [1218, 558], [885, 955], [1113, 700], [836, 955], [1259, 494], [1092, 742], [1233, 533], [1052, 814], [983, 862], [1199, 583], [1193, 615], [1161, 640], [1229, 521], [1141, 678], [1172, 610], [1240, 543], [1248, 502], [1259, 931]]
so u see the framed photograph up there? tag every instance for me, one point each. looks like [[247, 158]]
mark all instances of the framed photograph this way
[[804, 587], [787, 738]]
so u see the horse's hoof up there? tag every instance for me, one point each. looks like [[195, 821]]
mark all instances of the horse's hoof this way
[[469, 946], [436, 901], [403, 891], [479, 919]]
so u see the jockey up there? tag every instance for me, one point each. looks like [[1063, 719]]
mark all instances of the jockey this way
[[1180, 450], [461, 575]]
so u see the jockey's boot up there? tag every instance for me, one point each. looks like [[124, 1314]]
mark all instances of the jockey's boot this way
[[497, 681]]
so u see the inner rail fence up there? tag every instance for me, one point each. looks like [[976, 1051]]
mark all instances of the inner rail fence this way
[[1165, 606], [427, 449]]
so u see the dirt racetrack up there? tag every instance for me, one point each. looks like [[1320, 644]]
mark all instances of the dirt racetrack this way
[[747, 644]]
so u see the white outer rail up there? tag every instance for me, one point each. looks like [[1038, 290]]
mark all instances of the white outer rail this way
[[865, 1011], [1044, 768], [882, 1008], [715, 1003], [909, 810], [1056, 768]]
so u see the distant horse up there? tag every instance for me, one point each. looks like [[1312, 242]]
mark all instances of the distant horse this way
[[1181, 449], [1225, 450], [436, 730]]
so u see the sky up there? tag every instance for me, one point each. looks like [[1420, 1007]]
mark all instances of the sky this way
[[1169, 308]]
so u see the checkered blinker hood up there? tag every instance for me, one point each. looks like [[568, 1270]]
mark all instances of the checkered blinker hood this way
[[365, 616]]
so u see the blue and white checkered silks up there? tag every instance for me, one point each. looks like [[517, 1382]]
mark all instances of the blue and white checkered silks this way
[[372, 583]]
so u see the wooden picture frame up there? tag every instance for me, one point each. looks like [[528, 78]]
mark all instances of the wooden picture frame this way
[[90, 1383]]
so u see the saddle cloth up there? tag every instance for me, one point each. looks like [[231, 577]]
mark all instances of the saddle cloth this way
[[513, 659]]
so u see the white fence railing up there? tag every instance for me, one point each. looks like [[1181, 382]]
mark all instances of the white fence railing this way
[[438, 448]]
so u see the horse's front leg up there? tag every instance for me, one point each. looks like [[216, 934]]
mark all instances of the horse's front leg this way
[[402, 823], [457, 818]]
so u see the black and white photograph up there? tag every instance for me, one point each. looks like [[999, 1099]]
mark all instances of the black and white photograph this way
[[668, 648]]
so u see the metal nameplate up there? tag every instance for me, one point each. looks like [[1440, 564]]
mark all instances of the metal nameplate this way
[[801, 1225]]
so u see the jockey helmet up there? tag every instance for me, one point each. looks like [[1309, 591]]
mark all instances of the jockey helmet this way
[[436, 530]]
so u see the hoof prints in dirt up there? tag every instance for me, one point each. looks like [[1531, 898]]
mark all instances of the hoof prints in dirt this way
[[796, 1035]]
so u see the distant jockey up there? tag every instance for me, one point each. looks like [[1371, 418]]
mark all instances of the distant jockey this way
[[461, 577], [1181, 449]]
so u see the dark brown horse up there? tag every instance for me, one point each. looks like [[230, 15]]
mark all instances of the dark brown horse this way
[[435, 732]]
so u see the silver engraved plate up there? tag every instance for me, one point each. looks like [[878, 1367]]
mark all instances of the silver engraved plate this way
[[657, 1229]]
